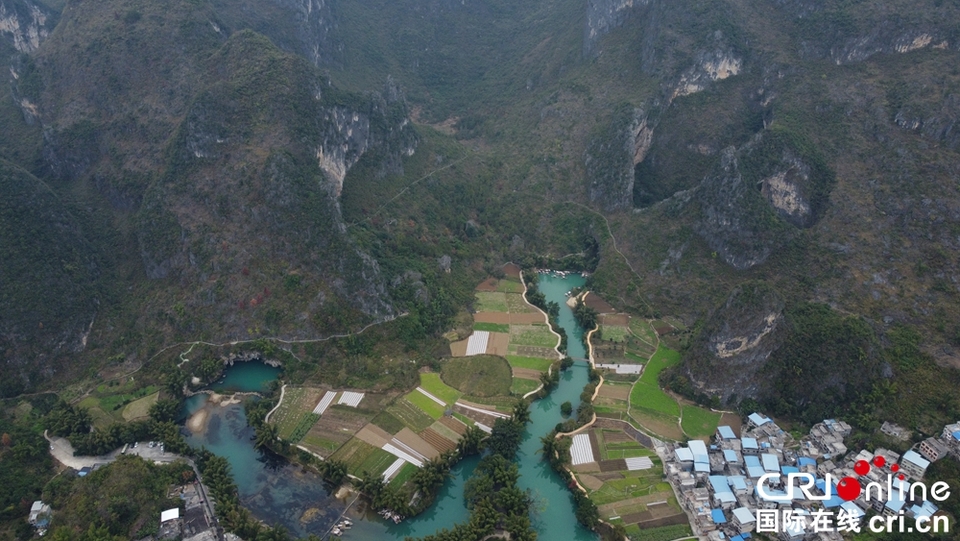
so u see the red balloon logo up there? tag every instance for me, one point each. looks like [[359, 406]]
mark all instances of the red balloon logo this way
[[862, 467], [848, 488], [879, 461], [895, 468]]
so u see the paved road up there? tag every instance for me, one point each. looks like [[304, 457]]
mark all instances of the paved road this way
[[61, 450]]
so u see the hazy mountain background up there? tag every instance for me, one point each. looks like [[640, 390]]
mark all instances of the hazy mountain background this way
[[782, 175]]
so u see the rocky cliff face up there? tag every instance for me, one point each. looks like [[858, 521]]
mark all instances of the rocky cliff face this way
[[602, 17], [613, 155], [710, 66], [731, 352], [24, 24], [732, 219]]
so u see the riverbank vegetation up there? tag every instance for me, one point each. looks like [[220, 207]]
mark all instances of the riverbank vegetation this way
[[495, 501]]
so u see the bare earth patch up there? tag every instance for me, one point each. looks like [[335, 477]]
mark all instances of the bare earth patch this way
[[490, 284], [497, 343], [502, 318], [526, 318], [615, 391], [591, 482], [527, 373]]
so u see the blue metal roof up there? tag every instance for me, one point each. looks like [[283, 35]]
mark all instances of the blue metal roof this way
[[750, 443], [743, 515], [726, 432], [913, 457], [853, 509], [730, 455], [789, 469], [956, 435], [719, 484], [717, 515], [683, 454], [895, 505], [738, 482], [752, 460], [806, 461], [699, 450], [926, 509], [758, 419], [770, 462], [700, 467]]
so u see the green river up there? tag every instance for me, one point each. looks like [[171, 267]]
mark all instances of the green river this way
[[279, 493]]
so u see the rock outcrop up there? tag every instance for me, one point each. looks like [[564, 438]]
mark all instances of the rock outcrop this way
[[612, 156], [732, 350], [24, 24]]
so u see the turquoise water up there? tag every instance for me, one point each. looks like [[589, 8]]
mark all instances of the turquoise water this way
[[279, 493], [275, 491], [247, 377]]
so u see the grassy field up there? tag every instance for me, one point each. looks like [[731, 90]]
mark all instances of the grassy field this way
[[633, 485], [509, 285], [642, 330], [432, 383], [698, 422], [139, 409], [666, 426], [533, 363], [354, 454], [388, 422], [491, 301], [425, 404], [650, 397], [614, 333], [290, 411], [404, 475], [532, 335], [665, 533], [516, 304], [411, 416], [377, 463], [318, 443], [492, 327], [479, 375], [521, 386]]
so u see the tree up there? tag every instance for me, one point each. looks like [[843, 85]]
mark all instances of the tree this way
[[505, 438], [334, 471], [521, 411], [166, 409], [6, 440], [471, 441], [566, 363], [266, 436], [566, 409]]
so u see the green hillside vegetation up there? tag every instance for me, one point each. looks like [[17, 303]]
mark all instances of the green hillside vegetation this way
[[124, 498]]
